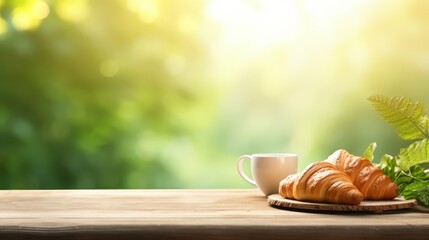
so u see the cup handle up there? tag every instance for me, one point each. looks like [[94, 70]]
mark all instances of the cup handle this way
[[240, 169]]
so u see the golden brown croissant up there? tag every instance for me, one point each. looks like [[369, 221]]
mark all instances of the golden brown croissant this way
[[370, 181], [320, 182]]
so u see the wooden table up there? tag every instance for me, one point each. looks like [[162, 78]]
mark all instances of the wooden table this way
[[191, 214]]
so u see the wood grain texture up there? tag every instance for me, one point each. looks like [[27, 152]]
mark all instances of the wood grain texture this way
[[187, 214], [364, 206]]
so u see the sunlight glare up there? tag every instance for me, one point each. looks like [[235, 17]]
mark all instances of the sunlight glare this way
[[325, 16], [186, 24], [269, 22], [262, 25]]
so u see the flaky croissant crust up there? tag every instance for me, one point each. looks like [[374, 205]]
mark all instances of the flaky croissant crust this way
[[369, 180], [320, 182]]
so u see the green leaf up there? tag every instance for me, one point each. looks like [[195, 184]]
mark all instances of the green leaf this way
[[389, 166], [416, 153], [418, 190], [408, 117], [418, 172], [369, 152], [423, 196]]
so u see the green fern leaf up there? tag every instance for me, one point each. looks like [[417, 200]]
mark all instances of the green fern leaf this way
[[408, 117], [415, 154], [369, 152]]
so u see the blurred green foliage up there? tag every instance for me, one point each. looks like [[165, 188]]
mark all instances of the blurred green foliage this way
[[65, 125], [168, 94]]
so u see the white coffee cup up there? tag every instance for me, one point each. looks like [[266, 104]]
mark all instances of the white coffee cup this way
[[268, 169]]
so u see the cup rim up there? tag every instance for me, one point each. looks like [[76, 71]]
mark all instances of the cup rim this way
[[274, 155]]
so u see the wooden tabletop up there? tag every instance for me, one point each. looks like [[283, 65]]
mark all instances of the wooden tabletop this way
[[187, 214]]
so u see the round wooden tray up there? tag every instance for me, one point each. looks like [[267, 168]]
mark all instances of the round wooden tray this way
[[364, 206]]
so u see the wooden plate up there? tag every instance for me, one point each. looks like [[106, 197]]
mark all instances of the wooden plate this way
[[364, 206]]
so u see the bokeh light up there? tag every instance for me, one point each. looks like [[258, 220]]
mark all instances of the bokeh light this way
[[72, 10], [29, 15], [147, 9]]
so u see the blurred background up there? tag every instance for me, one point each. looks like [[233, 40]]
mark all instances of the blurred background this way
[[168, 94]]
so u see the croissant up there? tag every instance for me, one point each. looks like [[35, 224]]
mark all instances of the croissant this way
[[369, 180], [320, 182]]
